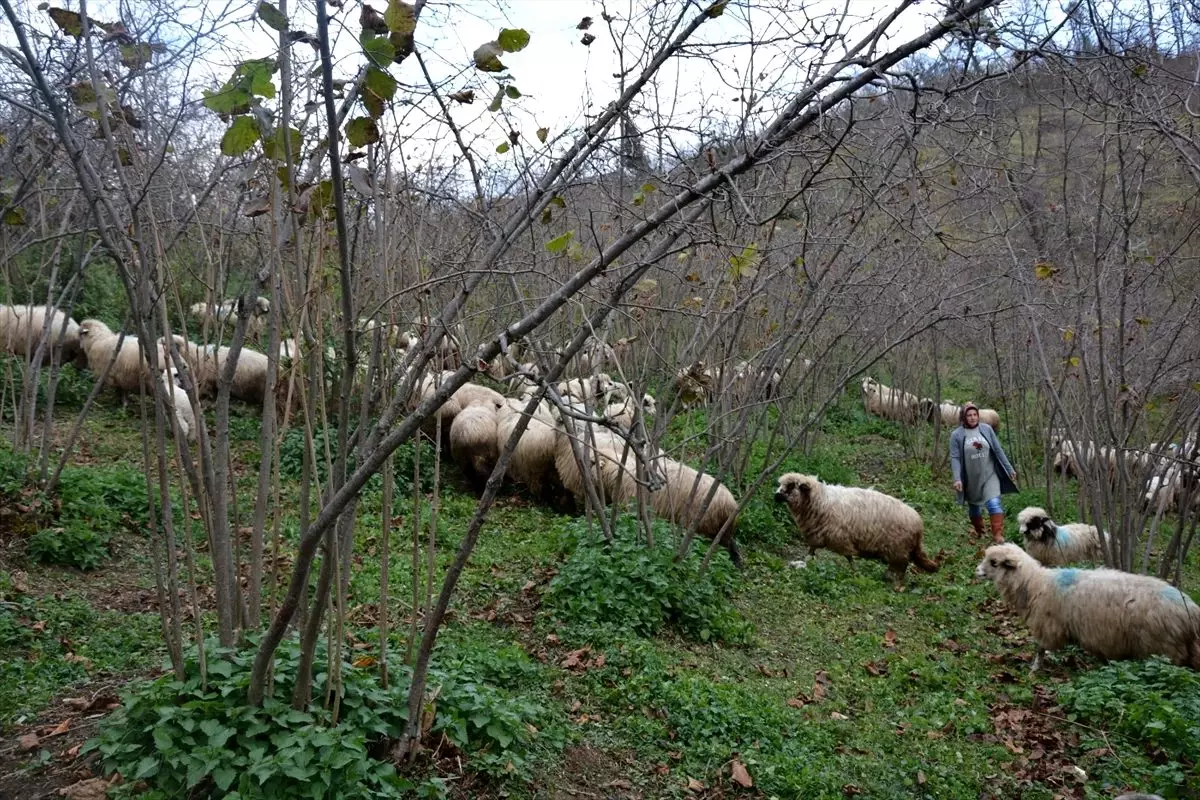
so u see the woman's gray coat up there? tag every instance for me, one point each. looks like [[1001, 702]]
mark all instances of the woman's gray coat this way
[[999, 460]]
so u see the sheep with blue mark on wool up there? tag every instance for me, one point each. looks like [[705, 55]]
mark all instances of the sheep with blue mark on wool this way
[[1109, 613], [1053, 544]]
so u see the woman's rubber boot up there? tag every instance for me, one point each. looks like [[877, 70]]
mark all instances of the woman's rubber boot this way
[[997, 528], [977, 531]]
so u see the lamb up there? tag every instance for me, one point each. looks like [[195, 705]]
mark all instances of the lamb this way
[[177, 400], [466, 395], [856, 522], [473, 442], [1054, 545], [1109, 613], [533, 458], [884, 401], [683, 495], [21, 329]]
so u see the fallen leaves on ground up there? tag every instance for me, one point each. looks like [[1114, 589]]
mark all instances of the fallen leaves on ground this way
[[740, 775]]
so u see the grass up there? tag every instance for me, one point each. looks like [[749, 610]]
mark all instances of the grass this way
[[840, 687]]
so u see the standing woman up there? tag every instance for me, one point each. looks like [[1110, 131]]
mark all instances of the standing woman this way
[[981, 471]]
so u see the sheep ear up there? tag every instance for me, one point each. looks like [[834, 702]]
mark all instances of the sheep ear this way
[[1008, 562]]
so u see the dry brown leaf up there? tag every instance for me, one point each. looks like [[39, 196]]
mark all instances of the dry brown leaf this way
[[889, 639], [61, 728], [837, 715], [920, 778], [795, 702], [739, 775], [91, 789], [694, 785], [28, 742]]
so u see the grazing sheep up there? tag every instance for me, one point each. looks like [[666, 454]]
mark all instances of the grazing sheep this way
[[533, 458], [226, 313], [612, 474], [21, 329], [130, 372], [177, 400], [622, 411], [201, 362], [1109, 613], [1053, 544], [473, 442], [884, 401], [951, 413], [466, 395], [249, 374], [856, 522], [586, 388], [684, 494]]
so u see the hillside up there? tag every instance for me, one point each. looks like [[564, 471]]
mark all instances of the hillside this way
[[818, 682]]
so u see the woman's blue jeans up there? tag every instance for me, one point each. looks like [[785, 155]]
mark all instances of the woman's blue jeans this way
[[993, 506]]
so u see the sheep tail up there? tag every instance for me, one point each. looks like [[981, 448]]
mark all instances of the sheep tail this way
[[924, 562]]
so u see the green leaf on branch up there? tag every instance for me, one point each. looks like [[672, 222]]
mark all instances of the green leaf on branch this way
[[273, 147], [639, 196], [14, 216], [378, 49], [400, 17], [503, 148], [497, 101], [559, 243], [271, 15], [513, 40], [378, 88], [512, 92], [227, 101], [362, 131], [487, 57], [717, 8], [1044, 271], [548, 212], [542, 133], [240, 137], [743, 265]]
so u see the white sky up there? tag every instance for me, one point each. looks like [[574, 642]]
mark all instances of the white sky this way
[[561, 80]]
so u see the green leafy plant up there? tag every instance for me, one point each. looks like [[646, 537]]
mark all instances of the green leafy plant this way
[[640, 588], [196, 739], [1150, 702], [74, 545]]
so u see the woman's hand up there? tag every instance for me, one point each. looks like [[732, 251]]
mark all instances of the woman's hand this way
[[958, 486], [1013, 475]]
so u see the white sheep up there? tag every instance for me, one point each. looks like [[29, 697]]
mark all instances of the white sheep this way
[[621, 412], [21, 329], [585, 389], [612, 463], [533, 458], [884, 401], [130, 372], [1053, 544], [685, 492], [856, 522], [1109, 613], [473, 442], [178, 402]]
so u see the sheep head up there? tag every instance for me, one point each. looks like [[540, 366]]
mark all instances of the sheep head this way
[[999, 560], [90, 329], [1035, 523], [796, 490], [927, 409]]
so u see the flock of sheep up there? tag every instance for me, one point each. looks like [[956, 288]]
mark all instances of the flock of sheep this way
[[589, 420]]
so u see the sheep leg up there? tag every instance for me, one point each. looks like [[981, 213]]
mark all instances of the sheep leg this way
[[897, 571], [850, 561], [1037, 660]]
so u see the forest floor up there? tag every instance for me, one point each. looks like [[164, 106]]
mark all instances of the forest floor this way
[[837, 687]]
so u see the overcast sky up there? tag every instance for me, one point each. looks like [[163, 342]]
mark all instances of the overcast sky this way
[[561, 80]]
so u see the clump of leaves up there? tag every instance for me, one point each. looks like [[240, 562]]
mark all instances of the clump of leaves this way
[[641, 588], [1152, 703], [92, 504], [199, 739]]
